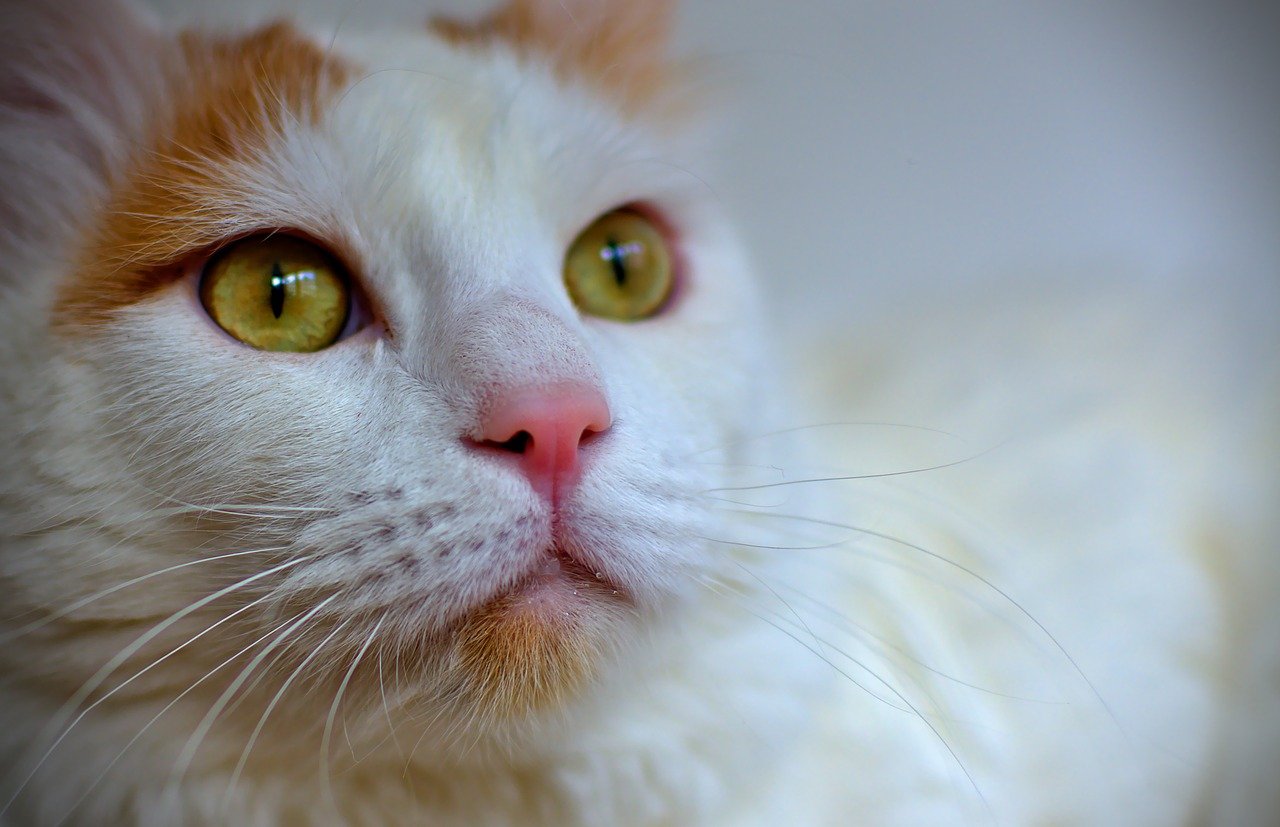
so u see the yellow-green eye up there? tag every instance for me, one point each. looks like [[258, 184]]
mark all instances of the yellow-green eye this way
[[277, 293], [619, 267]]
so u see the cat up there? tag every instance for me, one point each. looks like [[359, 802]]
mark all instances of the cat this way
[[395, 436]]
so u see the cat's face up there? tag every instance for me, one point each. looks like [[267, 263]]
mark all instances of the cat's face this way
[[481, 479]]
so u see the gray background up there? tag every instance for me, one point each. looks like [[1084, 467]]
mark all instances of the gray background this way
[[908, 146]]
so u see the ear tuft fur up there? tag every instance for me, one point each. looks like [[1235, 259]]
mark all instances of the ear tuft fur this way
[[618, 45]]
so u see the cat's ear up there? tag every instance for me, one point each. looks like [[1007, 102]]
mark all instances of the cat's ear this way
[[618, 45], [72, 80]]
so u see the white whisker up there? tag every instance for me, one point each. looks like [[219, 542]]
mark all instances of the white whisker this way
[[980, 579], [333, 714], [745, 440], [59, 719], [852, 477], [910, 708], [80, 604], [187, 756], [174, 702], [284, 687]]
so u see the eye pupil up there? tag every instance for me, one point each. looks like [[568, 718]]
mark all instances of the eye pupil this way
[[277, 290], [613, 253]]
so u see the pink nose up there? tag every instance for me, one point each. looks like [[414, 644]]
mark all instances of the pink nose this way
[[545, 428]]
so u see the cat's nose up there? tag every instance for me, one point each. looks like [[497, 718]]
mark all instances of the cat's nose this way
[[545, 428]]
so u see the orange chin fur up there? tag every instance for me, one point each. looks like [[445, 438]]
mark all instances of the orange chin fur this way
[[513, 658]]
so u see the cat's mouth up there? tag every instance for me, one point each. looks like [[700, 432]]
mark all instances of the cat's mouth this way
[[558, 588]]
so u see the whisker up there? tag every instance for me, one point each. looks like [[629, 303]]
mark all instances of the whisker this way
[[910, 707], [740, 600], [780, 599], [851, 477], [733, 443], [59, 719], [980, 579], [325, 739], [386, 709], [188, 754], [257, 730], [249, 688], [342, 22], [769, 547], [264, 511], [853, 628], [80, 604], [731, 501], [178, 698], [261, 510]]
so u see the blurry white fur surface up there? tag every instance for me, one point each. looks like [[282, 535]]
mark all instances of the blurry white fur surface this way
[[1007, 558]]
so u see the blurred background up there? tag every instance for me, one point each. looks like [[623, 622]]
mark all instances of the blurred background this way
[[935, 144]]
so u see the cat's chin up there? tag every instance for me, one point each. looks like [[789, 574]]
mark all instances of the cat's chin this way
[[537, 644]]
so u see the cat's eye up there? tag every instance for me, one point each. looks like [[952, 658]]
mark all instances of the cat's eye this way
[[619, 267], [277, 293]]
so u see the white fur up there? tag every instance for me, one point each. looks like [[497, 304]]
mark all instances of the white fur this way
[[1038, 635]]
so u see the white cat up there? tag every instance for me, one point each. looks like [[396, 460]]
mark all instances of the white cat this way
[[394, 437]]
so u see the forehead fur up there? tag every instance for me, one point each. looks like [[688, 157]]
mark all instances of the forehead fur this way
[[227, 100], [230, 97]]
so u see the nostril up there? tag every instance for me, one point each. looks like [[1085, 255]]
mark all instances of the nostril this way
[[589, 433], [518, 444]]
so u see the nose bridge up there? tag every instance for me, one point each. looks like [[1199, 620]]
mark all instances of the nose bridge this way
[[515, 343], [536, 396]]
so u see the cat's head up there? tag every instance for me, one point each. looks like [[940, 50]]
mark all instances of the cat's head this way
[[369, 356]]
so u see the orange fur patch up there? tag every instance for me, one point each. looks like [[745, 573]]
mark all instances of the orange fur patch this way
[[230, 96], [513, 663], [617, 45]]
